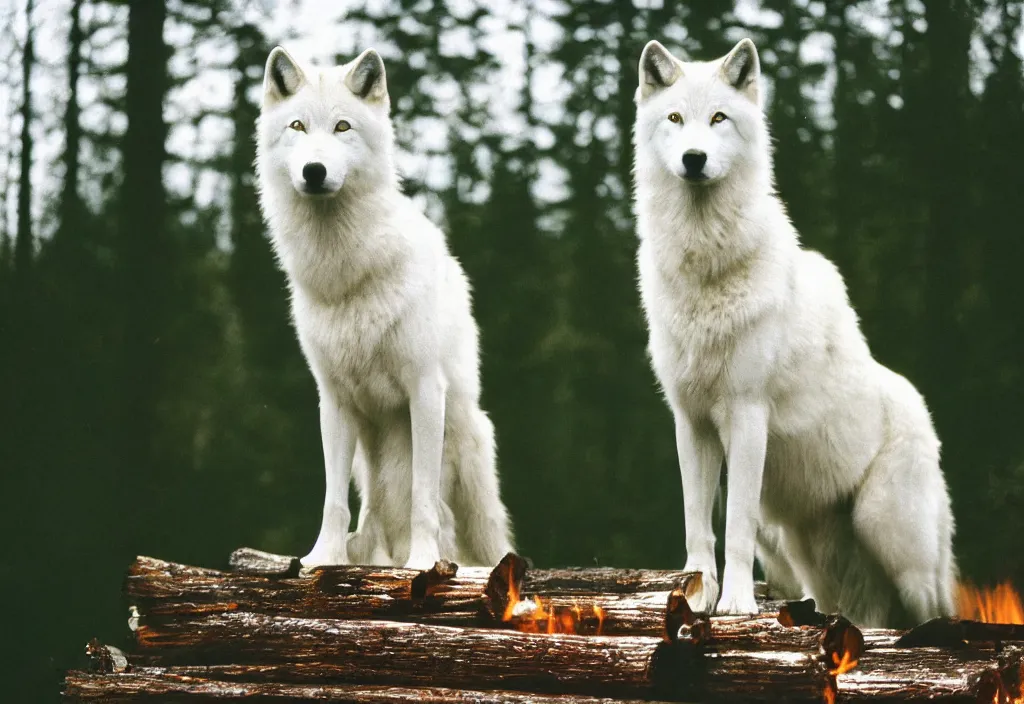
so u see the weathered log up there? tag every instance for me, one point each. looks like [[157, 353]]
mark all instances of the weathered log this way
[[951, 632], [936, 675], [839, 643], [199, 684], [165, 591], [377, 652], [569, 581]]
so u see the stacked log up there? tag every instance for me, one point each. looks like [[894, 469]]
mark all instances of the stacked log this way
[[268, 630]]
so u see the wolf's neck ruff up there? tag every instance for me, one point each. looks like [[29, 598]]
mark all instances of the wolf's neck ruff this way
[[703, 230]]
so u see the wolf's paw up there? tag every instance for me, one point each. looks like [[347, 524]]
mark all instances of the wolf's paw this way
[[327, 553], [737, 602], [421, 560], [703, 601]]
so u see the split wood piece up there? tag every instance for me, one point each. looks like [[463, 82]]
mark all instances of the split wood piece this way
[[253, 561], [950, 632], [199, 684], [379, 652], [935, 675], [165, 591]]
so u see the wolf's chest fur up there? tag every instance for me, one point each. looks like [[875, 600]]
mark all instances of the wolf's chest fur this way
[[708, 326], [352, 337]]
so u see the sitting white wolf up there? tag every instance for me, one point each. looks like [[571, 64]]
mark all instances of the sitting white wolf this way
[[763, 363], [383, 316]]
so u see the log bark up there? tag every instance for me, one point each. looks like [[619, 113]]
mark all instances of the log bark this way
[[952, 632], [936, 675], [198, 684], [569, 581], [739, 633], [165, 591], [375, 652], [633, 602]]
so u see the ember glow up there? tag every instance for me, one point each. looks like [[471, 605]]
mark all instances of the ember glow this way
[[1001, 604]]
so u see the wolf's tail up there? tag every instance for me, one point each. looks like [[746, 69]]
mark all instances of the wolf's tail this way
[[949, 574], [482, 522]]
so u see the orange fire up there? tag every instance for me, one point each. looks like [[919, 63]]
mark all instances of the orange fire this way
[[1001, 604], [539, 616], [843, 664]]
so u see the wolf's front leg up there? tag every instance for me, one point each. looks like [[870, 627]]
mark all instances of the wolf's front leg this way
[[700, 465], [426, 413], [748, 440], [338, 431]]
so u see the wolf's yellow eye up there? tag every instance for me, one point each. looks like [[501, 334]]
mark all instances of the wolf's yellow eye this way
[[675, 117], [342, 126], [297, 126], [718, 117]]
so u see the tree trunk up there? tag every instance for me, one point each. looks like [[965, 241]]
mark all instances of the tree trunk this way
[[24, 241], [144, 252], [70, 202], [946, 154]]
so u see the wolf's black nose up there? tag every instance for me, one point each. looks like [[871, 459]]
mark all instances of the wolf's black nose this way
[[315, 174], [693, 162]]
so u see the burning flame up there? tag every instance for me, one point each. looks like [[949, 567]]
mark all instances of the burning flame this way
[[843, 664], [539, 616], [1001, 604]]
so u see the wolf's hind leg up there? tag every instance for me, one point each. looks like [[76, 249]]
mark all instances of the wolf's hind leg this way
[[901, 515], [368, 545], [778, 572]]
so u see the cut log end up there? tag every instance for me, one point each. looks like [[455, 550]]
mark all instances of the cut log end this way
[[106, 658], [801, 613], [505, 587], [678, 615], [425, 583], [842, 645]]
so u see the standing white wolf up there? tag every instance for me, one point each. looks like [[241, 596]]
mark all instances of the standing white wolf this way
[[763, 363], [383, 316]]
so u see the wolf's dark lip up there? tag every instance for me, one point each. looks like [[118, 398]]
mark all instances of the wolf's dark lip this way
[[315, 191]]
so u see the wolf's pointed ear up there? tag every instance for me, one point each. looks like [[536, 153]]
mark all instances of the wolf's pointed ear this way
[[282, 77], [658, 69], [742, 69], [367, 78]]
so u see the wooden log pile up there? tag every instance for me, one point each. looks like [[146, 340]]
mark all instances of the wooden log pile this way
[[267, 630]]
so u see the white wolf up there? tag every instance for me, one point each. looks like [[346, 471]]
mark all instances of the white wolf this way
[[383, 316], [763, 364]]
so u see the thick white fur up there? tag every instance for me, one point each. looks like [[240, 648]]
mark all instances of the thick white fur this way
[[383, 316], [830, 454]]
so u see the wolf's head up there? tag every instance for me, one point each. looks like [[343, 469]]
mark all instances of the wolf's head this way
[[701, 121], [324, 130]]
